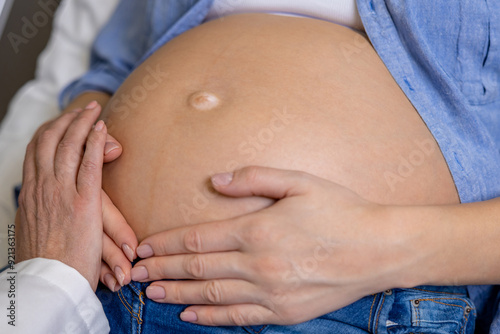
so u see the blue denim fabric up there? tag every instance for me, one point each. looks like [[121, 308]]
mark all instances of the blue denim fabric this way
[[445, 56], [424, 310], [149, 24]]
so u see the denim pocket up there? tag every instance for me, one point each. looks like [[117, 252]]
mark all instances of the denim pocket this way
[[430, 311]]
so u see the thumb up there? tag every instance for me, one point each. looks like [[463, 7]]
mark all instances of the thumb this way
[[262, 181], [112, 150]]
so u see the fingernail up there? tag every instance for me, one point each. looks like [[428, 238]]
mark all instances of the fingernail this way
[[128, 252], [139, 273], [110, 146], [99, 126], [222, 179], [145, 251], [110, 281], [155, 292], [120, 275], [189, 316], [91, 105]]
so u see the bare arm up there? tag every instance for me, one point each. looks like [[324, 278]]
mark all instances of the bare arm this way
[[359, 247], [451, 245], [84, 99]]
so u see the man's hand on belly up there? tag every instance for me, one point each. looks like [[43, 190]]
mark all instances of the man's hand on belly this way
[[315, 246]]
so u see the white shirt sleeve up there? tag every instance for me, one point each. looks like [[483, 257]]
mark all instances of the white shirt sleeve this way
[[47, 296]]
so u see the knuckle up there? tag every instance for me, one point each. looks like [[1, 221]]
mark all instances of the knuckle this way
[[251, 174], [23, 195], [66, 144], [193, 242], [155, 268], [111, 256], [46, 135], [94, 138], [237, 318], [175, 295], [90, 165], [195, 266], [212, 293], [210, 316]]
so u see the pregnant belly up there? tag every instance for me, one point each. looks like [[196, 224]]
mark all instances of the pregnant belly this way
[[258, 89]]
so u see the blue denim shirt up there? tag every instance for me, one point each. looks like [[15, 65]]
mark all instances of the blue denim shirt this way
[[445, 56]]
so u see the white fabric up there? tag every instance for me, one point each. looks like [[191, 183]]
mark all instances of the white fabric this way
[[342, 12], [49, 297], [66, 57]]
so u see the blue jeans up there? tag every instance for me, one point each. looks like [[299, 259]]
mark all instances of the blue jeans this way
[[428, 309]]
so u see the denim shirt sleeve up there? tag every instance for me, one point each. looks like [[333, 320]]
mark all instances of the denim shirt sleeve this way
[[134, 32], [118, 47]]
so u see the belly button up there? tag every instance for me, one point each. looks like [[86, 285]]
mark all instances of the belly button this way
[[203, 101]]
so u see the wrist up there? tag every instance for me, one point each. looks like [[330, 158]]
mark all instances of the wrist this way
[[436, 244], [417, 243]]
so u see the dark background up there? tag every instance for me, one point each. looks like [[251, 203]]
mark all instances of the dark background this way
[[18, 68]]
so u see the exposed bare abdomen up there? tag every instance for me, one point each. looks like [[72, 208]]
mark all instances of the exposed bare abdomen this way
[[258, 89]]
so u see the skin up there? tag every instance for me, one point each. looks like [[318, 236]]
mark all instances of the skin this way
[[244, 274], [330, 118], [390, 244], [367, 128], [60, 203], [119, 241]]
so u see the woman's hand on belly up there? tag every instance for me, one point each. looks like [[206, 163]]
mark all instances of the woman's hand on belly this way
[[118, 247], [316, 246]]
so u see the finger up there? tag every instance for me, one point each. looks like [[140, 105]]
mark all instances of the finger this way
[[233, 315], [89, 179], [191, 266], [116, 227], [112, 150], [107, 277], [214, 292], [262, 181], [47, 139], [70, 149], [29, 164], [116, 260], [202, 238]]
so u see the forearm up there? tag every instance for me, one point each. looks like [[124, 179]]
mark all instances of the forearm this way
[[449, 245], [82, 100]]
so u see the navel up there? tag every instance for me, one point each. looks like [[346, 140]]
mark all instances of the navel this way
[[203, 101]]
